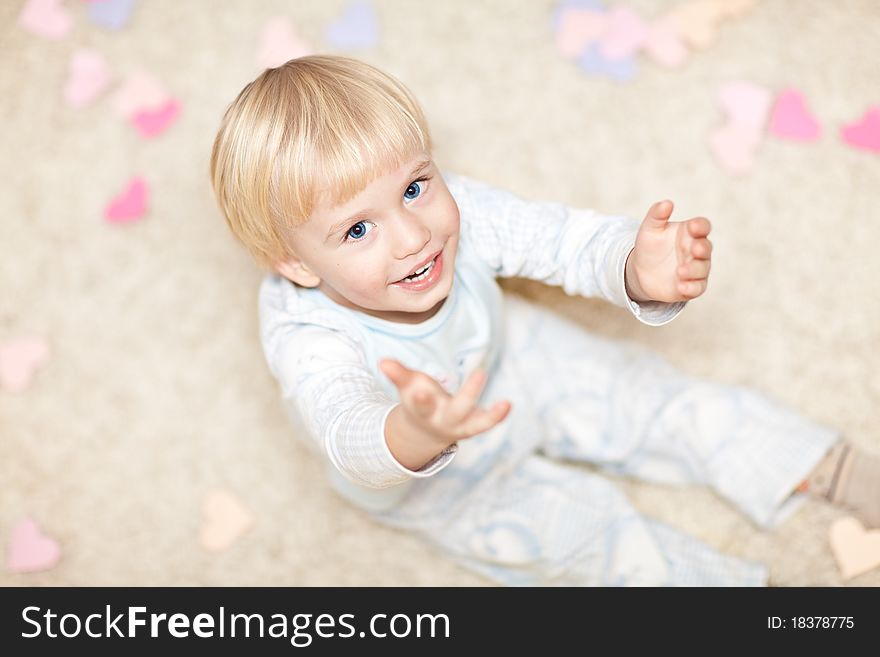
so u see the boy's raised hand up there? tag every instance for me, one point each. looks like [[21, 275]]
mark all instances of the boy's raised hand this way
[[671, 259], [443, 418]]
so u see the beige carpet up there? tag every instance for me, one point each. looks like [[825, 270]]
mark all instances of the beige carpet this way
[[157, 391]]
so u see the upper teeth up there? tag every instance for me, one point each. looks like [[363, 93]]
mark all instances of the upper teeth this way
[[422, 274]]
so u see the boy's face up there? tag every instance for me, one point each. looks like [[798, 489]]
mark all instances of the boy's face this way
[[358, 252]]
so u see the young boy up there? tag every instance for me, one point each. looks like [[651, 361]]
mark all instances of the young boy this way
[[441, 410]]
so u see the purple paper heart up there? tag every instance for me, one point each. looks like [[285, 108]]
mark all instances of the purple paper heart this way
[[110, 14], [591, 62], [356, 28]]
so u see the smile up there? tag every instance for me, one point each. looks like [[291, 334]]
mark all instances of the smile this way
[[423, 278]]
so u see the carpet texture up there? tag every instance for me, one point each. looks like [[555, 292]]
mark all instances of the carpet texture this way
[[157, 391]]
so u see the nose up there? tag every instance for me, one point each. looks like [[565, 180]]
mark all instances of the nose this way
[[411, 235]]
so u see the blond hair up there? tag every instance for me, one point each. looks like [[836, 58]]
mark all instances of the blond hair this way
[[320, 127]]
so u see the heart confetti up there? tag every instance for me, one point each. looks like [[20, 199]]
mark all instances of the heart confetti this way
[[745, 103], [864, 134], [791, 119], [20, 358], [735, 144], [130, 205], [856, 549], [624, 36], [357, 28], [45, 18], [592, 62], [735, 147], [663, 44], [225, 520], [577, 29], [151, 123], [88, 77], [139, 92], [279, 43], [30, 550], [110, 14]]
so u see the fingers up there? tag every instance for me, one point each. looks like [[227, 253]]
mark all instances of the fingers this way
[[399, 374], [692, 289], [701, 249], [414, 386], [694, 270], [699, 227], [483, 420], [466, 398], [659, 213]]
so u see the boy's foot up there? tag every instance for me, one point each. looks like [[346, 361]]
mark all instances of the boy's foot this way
[[850, 478]]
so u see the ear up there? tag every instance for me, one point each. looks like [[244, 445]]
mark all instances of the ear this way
[[297, 271]]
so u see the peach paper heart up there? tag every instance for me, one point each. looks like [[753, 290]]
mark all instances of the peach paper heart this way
[[663, 44], [45, 18], [152, 123], [130, 205], [865, 133], [279, 43], [225, 520], [791, 119], [30, 550], [88, 77], [577, 29], [20, 358], [856, 549]]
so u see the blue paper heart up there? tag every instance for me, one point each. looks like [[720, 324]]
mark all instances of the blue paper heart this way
[[356, 28], [593, 5], [110, 14], [591, 62]]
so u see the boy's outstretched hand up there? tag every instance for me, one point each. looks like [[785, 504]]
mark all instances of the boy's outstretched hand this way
[[429, 419], [671, 259]]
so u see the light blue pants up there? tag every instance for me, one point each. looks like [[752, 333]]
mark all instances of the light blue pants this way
[[511, 508]]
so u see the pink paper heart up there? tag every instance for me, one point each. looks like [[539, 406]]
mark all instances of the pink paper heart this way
[[791, 119], [663, 44], [735, 147], [746, 103], [151, 123], [30, 549], [279, 43], [45, 18], [20, 358], [130, 205], [88, 77], [624, 36], [577, 29], [864, 133], [139, 92]]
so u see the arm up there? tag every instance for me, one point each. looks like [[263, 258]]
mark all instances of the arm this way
[[371, 439], [348, 416], [582, 251]]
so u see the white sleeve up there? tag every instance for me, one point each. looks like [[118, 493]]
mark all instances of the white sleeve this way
[[323, 375], [580, 250]]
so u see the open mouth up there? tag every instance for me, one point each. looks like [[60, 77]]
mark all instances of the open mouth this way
[[421, 274], [424, 277]]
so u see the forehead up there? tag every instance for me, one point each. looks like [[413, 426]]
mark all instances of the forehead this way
[[329, 209]]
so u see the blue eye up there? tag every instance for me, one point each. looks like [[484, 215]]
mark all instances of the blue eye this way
[[357, 231], [414, 190]]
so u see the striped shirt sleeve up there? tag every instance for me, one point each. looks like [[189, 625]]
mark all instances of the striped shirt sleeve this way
[[580, 250]]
